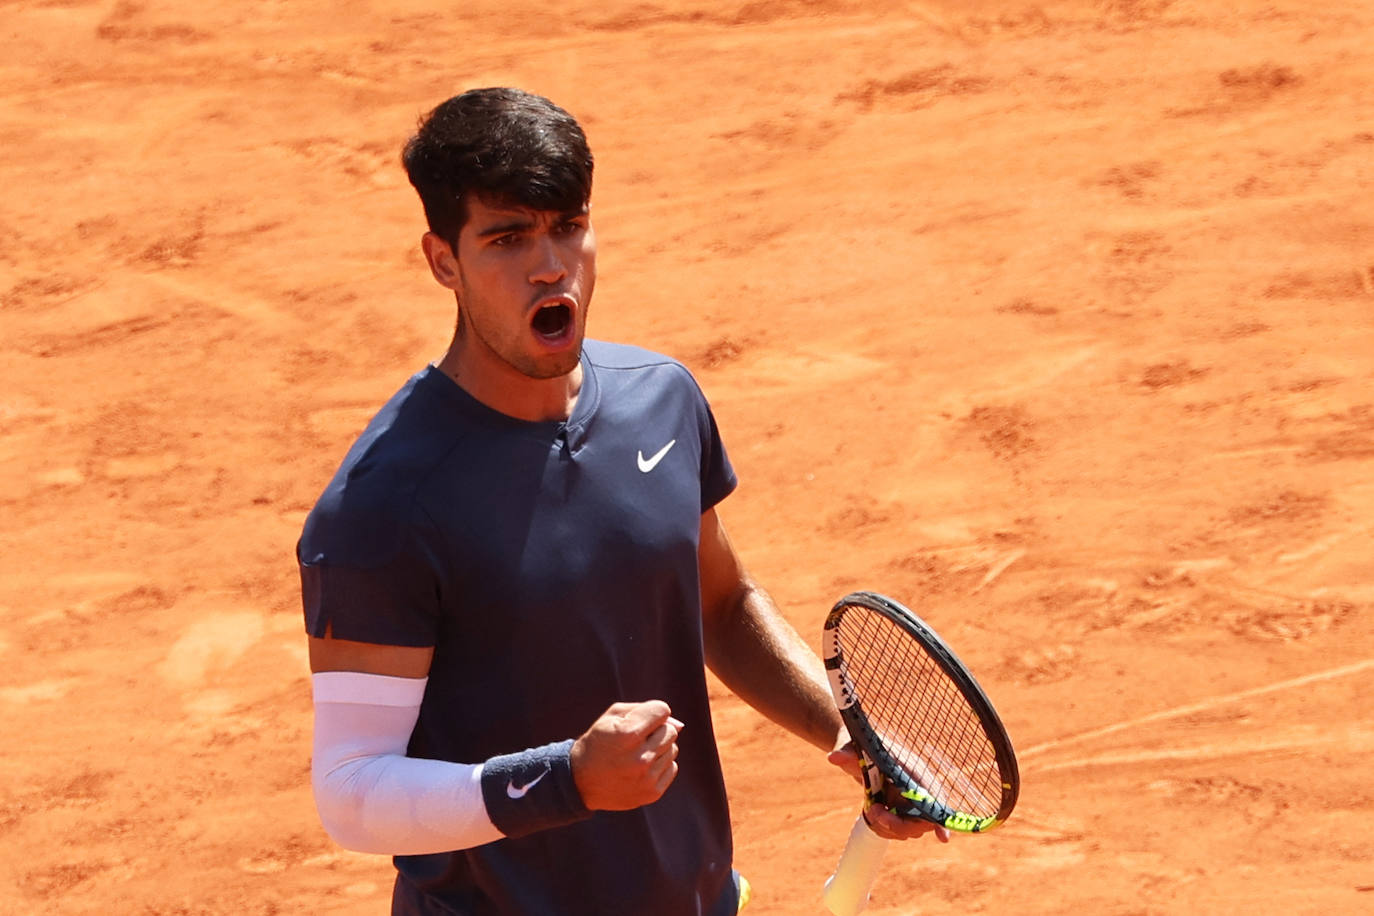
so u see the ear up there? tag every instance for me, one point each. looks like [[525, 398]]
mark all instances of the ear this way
[[443, 262]]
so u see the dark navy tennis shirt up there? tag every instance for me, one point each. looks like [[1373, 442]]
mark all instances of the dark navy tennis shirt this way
[[553, 568]]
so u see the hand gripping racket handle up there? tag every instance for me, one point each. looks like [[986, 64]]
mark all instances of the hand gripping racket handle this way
[[846, 891]]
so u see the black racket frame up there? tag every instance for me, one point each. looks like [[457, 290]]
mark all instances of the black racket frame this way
[[891, 784]]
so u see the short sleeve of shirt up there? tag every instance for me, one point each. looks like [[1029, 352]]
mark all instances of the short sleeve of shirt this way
[[367, 576], [718, 478]]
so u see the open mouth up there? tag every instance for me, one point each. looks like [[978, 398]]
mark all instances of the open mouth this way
[[552, 321]]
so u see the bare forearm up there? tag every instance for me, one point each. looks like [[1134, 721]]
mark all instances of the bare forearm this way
[[759, 655]]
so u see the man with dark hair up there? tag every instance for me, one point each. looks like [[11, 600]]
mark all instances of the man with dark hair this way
[[513, 581], [504, 144]]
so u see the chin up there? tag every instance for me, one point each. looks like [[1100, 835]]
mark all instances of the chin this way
[[556, 365]]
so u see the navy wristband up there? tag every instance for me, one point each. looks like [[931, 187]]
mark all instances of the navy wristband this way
[[532, 790]]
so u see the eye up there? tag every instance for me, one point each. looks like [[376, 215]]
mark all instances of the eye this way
[[570, 227]]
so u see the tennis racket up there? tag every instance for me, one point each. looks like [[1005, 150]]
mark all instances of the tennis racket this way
[[930, 744]]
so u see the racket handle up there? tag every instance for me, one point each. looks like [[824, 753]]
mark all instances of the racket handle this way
[[846, 891]]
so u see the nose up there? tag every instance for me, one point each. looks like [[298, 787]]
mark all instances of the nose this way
[[548, 265]]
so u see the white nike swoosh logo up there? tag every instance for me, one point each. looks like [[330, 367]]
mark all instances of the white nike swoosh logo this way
[[515, 791], [647, 465]]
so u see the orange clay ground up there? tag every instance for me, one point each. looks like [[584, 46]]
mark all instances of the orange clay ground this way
[[1054, 321]]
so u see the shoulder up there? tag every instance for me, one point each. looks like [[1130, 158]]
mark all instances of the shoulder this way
[[618, 356], [629, 364], [372, 499], [645, 386]]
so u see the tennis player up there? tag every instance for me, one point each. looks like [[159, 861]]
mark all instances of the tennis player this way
[[514, 579]]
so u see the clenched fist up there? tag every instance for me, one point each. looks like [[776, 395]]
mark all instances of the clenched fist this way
[[628, 757]]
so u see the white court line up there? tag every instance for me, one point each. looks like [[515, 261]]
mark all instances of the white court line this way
[[1352, 740], [1177, 711], [939, 23], [998, 568]]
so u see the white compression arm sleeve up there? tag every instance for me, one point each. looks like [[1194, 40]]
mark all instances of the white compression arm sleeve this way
[[372, 797]]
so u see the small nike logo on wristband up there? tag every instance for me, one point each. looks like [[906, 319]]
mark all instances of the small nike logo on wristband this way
[[515, 791]]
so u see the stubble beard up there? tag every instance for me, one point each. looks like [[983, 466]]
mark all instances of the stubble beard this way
[[551, 366]]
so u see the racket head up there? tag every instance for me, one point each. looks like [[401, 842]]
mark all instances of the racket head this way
[[931, 744]]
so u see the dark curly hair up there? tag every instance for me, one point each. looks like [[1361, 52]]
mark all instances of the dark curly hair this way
[[507, 146]]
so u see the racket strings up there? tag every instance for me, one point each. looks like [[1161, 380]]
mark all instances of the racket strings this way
[[920, 715]]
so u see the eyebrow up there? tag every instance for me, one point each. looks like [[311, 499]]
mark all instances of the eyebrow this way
[[517, 225], [523, 223]]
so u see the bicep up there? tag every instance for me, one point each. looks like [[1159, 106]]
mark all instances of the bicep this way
[[722, 573], [330, 654]]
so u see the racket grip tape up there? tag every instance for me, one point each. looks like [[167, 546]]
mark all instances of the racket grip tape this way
[[846, 891]]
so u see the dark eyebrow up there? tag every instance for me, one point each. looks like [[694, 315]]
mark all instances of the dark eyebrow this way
[[522, 224], [515, 225]]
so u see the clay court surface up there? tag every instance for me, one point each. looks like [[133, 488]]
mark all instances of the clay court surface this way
[[1054, 321]]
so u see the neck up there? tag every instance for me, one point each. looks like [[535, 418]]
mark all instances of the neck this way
[[503, 388]]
